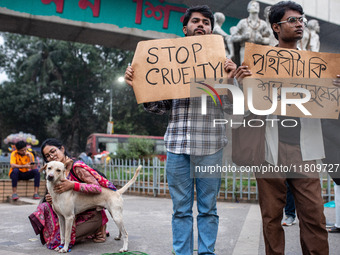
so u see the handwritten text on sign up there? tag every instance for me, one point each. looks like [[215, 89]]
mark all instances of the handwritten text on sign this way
[[274, 67], [163, 69]]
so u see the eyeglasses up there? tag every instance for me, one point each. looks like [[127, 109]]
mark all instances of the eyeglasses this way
[[52, 153], [292, 21]]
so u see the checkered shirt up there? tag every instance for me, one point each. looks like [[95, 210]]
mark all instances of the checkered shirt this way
[[190, 132]]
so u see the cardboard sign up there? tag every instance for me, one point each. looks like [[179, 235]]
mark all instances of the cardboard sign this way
[[274, 67], [164, 69]]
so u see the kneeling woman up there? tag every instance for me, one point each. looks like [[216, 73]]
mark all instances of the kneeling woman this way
[[89, 224]]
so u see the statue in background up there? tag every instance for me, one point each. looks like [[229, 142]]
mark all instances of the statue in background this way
[[251, 29], [314, 29], [229, 46], [272, 40]]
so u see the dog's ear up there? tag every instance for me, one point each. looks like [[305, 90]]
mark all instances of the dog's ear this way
[[43, 168], [68, 164]]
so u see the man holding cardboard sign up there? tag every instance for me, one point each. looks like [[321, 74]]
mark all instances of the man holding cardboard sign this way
[[180, 160], [292, 150]]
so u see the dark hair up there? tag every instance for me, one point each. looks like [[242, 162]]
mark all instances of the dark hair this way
[[277, 11], [21, 144], [203, 9], [52, 142]]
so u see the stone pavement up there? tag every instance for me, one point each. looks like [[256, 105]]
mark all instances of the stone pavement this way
[[148, 222]]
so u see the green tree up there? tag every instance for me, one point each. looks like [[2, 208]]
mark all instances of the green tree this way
[[136, 148], [62, 89]]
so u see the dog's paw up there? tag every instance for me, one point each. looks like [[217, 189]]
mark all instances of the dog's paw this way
[[57, 249], [117, 238], [123, 250]]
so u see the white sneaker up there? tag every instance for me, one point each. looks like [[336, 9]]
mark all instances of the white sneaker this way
[[288, 221]]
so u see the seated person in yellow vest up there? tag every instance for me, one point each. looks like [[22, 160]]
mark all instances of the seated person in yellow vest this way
[[23, 167]]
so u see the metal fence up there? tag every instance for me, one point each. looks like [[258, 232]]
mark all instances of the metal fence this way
[[4, 170], [152, 180], [235, 186]]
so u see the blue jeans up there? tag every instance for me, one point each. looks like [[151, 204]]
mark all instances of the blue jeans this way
[[181, 187], [18, 175], [290, 204]]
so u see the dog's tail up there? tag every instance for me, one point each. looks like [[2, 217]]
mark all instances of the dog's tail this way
[[126, 186]]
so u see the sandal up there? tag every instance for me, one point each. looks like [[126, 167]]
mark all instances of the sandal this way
[[333, 230]]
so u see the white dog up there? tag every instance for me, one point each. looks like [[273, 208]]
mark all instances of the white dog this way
[[70, 203]]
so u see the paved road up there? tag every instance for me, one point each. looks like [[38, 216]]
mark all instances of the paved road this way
[[148, 221]]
